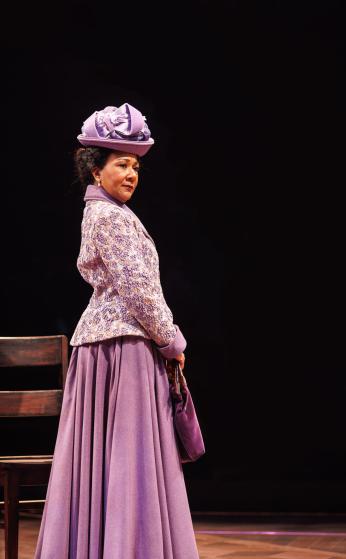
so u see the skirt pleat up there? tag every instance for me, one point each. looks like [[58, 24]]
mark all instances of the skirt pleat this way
[[116, 488]]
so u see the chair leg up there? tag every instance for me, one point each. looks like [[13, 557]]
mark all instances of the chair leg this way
[[11, 515]]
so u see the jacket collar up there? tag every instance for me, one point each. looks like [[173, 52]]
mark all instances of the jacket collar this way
[[94, 192]]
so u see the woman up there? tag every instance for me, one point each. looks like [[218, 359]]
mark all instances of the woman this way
[[116, 488]]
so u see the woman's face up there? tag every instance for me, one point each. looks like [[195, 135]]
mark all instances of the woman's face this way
[[119, 176]]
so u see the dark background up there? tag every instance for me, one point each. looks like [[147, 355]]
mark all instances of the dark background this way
[[243, 195]]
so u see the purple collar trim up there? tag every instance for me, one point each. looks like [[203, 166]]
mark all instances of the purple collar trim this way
[[94, 192]]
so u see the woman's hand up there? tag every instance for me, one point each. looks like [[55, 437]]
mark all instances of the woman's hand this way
[[181, 358], [170, 365]]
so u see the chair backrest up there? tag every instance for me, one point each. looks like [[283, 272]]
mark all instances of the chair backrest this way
[[36, 351]]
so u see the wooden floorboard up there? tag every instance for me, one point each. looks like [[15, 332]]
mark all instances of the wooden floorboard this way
[[229, 539]]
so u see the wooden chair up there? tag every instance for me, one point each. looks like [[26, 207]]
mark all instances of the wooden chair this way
[[33, 470]]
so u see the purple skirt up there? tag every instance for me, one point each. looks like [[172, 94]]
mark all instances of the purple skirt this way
[[116, 488]]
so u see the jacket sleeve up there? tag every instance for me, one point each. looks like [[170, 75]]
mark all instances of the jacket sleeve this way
[[119, 248]]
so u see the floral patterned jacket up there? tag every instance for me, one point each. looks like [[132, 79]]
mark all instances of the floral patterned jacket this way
[[118, 258]]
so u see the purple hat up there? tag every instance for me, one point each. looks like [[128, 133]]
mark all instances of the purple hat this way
[[123, 128]]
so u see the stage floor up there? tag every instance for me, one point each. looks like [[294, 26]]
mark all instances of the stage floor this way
[[241, 536]]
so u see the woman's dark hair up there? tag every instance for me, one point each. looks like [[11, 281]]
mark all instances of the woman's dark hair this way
[[86, 159]]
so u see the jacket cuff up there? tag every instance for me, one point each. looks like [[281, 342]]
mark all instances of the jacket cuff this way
[[176, 346]]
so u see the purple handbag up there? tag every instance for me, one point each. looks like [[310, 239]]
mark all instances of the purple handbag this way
[[188, 433]]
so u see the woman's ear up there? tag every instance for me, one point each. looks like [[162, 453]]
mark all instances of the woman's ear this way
[[96, 174]]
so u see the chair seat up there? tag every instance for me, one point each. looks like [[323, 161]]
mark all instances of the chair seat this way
[[29, 470]]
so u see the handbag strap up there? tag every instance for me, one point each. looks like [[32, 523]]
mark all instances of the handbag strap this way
[[178, 373]]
